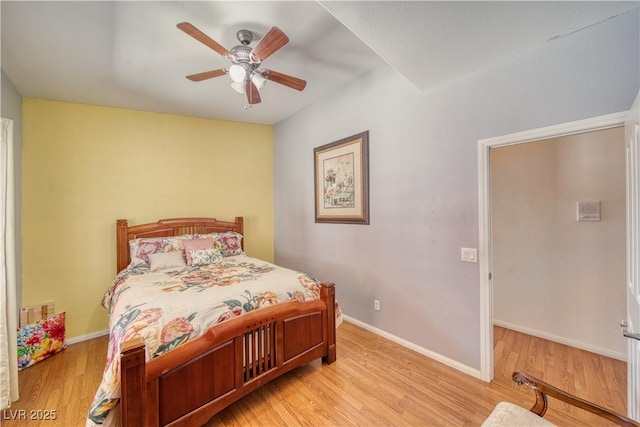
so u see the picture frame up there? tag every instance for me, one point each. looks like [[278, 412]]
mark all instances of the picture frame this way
[[341, 180]]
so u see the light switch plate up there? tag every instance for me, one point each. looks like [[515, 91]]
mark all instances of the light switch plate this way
[[469, 255]]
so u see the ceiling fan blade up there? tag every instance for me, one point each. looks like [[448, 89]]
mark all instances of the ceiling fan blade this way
[[203, 38], [284, 79], [253, 96], [207, 75], [271, 42]]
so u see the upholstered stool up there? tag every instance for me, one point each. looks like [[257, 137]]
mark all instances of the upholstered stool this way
[[507, 414]]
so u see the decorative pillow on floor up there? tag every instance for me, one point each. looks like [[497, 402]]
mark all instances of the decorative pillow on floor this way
[[40, 340]]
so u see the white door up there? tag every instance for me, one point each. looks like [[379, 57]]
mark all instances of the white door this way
[[632, 136]]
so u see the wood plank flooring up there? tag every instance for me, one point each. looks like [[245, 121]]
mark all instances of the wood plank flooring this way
[[598, 379], [374, 382], [65, 383]]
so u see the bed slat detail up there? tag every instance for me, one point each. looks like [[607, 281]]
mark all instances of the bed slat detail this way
[[259, 351], [190, 230], [153, 233]]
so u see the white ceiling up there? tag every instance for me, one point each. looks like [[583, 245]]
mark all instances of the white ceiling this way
[[131, 55]]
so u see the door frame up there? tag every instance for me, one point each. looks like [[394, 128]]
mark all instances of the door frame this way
[[484, 214], [632, 163]]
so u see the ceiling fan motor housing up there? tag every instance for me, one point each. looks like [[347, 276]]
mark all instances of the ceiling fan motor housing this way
[[241, 53], [244, 37]]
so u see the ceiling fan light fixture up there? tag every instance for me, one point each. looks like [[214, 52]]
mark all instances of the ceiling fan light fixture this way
[[258, 80], [237, 73], [238, 87]]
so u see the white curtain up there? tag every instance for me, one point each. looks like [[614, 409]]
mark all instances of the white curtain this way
[[8, 315]]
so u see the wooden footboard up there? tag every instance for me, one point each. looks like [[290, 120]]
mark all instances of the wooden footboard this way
[[190, 384]]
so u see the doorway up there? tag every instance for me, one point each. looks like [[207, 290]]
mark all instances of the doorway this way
[[559, 250], [486, 258], [558, 273]]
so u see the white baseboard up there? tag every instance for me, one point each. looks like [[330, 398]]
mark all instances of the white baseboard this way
[[562, 340], [430, 354], [86, 337]]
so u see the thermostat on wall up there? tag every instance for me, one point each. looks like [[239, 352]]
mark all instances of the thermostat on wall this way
[[589, 211]]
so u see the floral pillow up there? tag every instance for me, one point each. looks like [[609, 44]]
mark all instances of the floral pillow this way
[[195, 244], [229, 243], [202, 257], [40, 340], [140, 249]]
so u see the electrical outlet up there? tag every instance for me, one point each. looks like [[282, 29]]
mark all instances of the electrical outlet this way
[[376, 305]]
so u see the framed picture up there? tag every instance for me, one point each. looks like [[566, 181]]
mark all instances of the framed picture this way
[[341, 180]]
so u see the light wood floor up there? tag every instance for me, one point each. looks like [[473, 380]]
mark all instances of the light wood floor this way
[[374, 382], [598, 379]]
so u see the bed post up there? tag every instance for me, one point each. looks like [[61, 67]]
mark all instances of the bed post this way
[[122, 243], [132, 383], [328, 293], [240, 229]]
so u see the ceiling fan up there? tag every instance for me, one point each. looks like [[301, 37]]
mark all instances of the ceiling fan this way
[[245, 70]]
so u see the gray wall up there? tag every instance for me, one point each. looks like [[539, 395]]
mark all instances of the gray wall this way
[[572, 274], [423, 177], [11, 108]]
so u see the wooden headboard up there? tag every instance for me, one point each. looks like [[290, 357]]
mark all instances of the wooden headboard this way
[[166, 228]]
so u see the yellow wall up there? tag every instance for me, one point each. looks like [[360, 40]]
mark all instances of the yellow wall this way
[[86, 166]]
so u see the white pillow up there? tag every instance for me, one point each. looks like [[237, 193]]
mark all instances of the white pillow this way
[[162, 260]]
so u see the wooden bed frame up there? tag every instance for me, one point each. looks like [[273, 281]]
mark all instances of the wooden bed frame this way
[[190, 384]]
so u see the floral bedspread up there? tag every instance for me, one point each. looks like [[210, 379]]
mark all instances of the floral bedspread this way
[[167, 308]]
